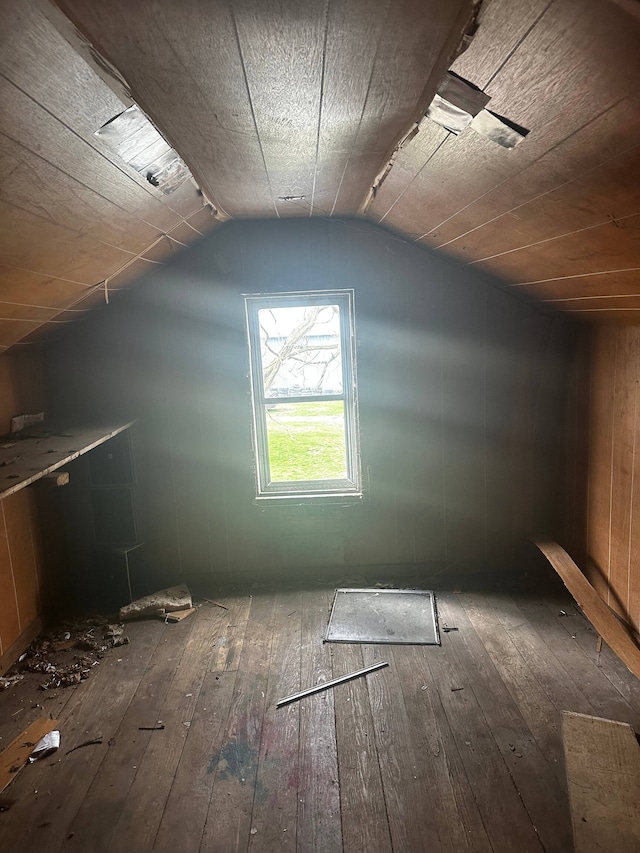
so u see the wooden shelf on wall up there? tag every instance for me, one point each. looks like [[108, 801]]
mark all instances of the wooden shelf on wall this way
[[25, 460]]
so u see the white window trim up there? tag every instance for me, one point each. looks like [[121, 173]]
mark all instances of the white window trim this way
[[312, 490]]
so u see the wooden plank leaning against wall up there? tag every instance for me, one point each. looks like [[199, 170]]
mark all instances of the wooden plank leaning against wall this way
[[22, 552], [602, 474]]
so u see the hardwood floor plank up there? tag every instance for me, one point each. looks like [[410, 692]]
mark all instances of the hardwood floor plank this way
[[139, 820], [105, 800], [604, 697], [450, 748], [235, 764], [537, 774], [49, 794], [275, 804], [538, 711], [557, 683], [449, 799], [569, 617], [364, 812], [319, 826], [226, 656], [503, 813], [186, 809], [410, 822]]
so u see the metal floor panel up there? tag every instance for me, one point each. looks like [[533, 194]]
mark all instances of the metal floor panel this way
[[401, 616]]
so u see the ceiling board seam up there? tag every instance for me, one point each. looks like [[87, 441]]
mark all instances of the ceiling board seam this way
[[72, 234], [555, 237], [424, 165], [101, 284], [26, 319], [253, 114], [517, 174], [533, 198], [611, 466], [87, 142], [574, 275], [518, 44], [80, 183], [633, 471], [324, 63], [32, 305], [600, 296], [200, 179], [364, 105], [49, 275]]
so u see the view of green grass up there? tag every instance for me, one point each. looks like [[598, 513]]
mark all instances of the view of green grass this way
[[306, 441]]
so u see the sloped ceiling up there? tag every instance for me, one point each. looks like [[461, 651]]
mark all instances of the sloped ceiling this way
[[294, 108]]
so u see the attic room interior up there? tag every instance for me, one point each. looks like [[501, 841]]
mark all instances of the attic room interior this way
[[303, 296]]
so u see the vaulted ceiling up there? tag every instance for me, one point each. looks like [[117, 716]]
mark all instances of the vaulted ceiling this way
[[296, 108]]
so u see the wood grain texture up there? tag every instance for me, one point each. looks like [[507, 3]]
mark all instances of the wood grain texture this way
[[319, 825], [234, 765], [604, 475], [440, 757], [603, 772], [16, 754], [285, 122], [361, 791], [39, 456], [540, 211]]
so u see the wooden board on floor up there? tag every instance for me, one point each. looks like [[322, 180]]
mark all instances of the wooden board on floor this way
[[14, 757], [319, 827], [234, 765], [275, 804], [603, 772], [361, 793]]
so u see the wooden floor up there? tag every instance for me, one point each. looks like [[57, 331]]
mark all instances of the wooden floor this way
[[452, 748]]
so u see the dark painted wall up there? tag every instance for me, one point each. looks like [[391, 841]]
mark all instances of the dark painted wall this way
[[461, 391]]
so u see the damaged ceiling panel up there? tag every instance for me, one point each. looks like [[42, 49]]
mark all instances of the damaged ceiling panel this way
[[456, 103], [541, 188], [254, 96], [300, 108], [132, 136]]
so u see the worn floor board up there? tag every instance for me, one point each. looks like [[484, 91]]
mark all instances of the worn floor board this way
[[450, 802], [518, 676], [499, 802], [403, 780], [49, 793], [606, 700], [402, 760], [235, 763], [275, 804], [532, 769], [319, 827], [361, 793], [106, 797], [563, 608], [138, 824]]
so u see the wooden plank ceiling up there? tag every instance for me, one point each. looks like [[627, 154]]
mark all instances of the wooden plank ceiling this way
[[293, 107], [558, 217]]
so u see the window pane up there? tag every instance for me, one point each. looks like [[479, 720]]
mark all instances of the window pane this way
[[307, 441], [300, 349]]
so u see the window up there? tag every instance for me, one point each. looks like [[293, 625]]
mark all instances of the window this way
[[303, 386]]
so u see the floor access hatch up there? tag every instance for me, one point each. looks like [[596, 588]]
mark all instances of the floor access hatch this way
[[401, 616]]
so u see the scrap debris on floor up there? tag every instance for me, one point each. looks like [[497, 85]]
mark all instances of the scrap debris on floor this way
[[54, 654], [161, 603]]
